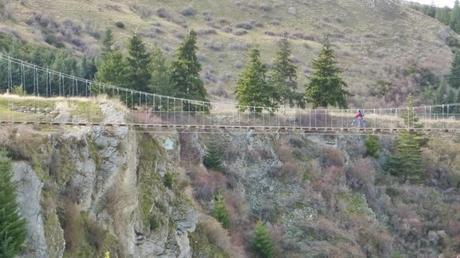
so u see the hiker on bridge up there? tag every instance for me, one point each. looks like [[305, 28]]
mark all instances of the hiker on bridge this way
[[359, 119]]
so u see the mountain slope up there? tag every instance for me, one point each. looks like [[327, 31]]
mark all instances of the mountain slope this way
[[378, 42]]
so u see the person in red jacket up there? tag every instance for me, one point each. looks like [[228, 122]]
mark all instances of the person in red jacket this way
[[359, 115], [359, 118]]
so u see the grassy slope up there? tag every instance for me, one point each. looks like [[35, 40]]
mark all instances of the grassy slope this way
[[380, 44]]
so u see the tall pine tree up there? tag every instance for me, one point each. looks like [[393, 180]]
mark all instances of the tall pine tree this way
[[213, 157], [455, 17], [262, 243], [326, 87], [112, 69], [406, 160], [88, 68], [138, 70], [454, 76], [409, 115], [107, 42], [220, 212], [451, 97], [441, 93], [443, 15], [12, 226], [185, 71], [284, 76], [253, 88], [160, 81]]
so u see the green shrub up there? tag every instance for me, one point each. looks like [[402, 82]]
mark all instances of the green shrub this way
[[12, 225], [220, 212], [168, 180], [53, 41], [262, 244], [306, 176], [18, 90], [372, 146], [154, 222], [355, 204], [120, 25]]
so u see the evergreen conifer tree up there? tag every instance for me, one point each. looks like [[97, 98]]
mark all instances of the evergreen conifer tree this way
[[107, 42], [252, 88], [409, 115], [441, 93], [430, 10], [112, 69], [406, 160], [88, 68], [138, 70], [262, 243], [12, 226], [284, 76], [372, 146], [455, 17], [185, 72], [326, 87], [451, 97], [454, 76], [220, 212], [159, 82], [443, 15], [212, 158]]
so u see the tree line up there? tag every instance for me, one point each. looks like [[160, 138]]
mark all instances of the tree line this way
[[446, 15], [448, 90], [150, 71], [139, 68], [56, 59], [257, 86]]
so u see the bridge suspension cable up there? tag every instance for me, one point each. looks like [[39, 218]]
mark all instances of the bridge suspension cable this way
[[148, 109]]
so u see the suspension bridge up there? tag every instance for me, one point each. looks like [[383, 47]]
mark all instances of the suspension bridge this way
[[148, 111]]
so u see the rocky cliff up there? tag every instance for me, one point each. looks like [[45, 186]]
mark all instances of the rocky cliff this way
[[86, 192]]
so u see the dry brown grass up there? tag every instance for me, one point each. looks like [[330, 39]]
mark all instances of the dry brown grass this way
[[361, 173], [217, 235], [207, 184]]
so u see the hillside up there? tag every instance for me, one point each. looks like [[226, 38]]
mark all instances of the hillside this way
[[379, 44]]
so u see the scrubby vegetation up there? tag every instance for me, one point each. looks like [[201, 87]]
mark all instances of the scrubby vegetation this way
[[206, 242], [342, 201]]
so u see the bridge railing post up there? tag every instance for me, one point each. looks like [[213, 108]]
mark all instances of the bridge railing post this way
[[316, 122], [341, 117], [299, 114]]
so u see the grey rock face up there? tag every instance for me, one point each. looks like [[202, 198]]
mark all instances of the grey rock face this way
[[29, 188], [95, 169]]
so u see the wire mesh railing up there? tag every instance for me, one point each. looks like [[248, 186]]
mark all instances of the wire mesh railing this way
[[18, 76]]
